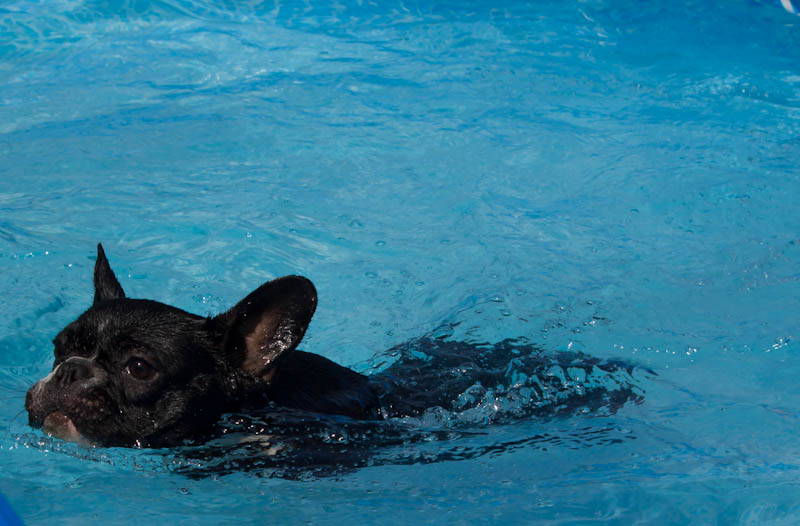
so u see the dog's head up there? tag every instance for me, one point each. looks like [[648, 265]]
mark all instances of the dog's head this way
[[132, 372]]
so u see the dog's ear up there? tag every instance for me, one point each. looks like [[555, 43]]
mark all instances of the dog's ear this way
[[268, 323], [106, 286]]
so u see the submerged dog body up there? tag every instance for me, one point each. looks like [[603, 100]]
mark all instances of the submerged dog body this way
[[132, 372]]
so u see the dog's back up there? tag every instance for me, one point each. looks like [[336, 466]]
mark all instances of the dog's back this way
[[479, 382], [499, 382]]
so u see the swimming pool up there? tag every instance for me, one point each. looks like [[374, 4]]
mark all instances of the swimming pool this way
[[613, 177]]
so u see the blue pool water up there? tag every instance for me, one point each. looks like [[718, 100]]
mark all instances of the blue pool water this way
[[608, 176]]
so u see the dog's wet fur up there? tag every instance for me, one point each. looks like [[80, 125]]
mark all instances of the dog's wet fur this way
[[139, 373]]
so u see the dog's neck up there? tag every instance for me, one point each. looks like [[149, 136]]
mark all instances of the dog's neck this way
[[311, 382]]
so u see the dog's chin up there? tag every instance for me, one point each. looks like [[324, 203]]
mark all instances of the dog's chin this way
[[59, 425]]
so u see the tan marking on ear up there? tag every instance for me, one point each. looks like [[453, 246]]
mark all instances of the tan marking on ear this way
[[257, 350], [267, 377]]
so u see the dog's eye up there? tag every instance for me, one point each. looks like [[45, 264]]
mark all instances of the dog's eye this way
[[140, 369]]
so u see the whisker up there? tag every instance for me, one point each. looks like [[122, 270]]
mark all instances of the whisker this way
[[20, 413]]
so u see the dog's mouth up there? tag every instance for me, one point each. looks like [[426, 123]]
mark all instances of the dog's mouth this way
[[59, 425], [70, 415]]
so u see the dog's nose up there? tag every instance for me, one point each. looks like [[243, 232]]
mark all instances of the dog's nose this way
[[74, 370]]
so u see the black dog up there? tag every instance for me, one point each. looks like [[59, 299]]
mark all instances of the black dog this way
[[132, 372]]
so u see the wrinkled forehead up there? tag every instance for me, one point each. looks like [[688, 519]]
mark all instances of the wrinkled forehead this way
[[117, 325]]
